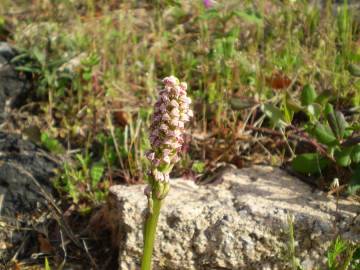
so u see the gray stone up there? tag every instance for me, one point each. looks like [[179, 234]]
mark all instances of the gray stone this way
[[239, 224], [13, 87], [20, 163], [6, 51], [25, 180]]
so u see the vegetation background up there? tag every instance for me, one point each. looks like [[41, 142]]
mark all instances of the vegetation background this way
[[273, 82]]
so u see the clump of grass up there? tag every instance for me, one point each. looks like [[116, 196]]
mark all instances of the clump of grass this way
[[341, 255]]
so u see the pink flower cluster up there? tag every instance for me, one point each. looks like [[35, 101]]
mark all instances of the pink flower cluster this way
[[171, 112]]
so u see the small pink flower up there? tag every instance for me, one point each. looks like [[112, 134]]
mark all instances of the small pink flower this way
[[159, 176], [152, 139], [156, 162], [166, 159], [208, 3], [183, 86], [155, 133], [171, 80], [174, 103], [174, 133], [174, 122], [185, 99], [157, 117], [184, 117], [166, 152], [151, 156], [166, 177], [166, 117], [165, 98], [163, 127], [175, 112], [163, 108], [175, 159]]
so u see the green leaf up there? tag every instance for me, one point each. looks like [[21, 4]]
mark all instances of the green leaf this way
[[47, 265], [87, 76], [324, 97], [288, 113], [249, 16], [240, 104], [40, 56], [354, 70], [309, 163], [308, 95], [275, 114], [337, 247], [210, 14], [51, 144], [337, 123], [28, 69], [343, 156], [324, 134], [328, 109], [314, 111], [355, 154], [198, 166], [96, 172], [354, 184], [293, 105]]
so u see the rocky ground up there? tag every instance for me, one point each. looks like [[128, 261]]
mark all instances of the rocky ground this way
[[25, 169]]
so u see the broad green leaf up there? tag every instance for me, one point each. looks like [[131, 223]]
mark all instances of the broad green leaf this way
[[354, 184], [87, 76], [328, 109], [355, 154], [293, 105], [337, 123], [240, 104], [96, 172], [354, 70], [47, 265], [249, 16], [314, 111], [324, 134], [288, 114], [343, 156], [198, 166], [210, 14], [308, 95], [29, 69], [338, 246], [51, 144], [40, 56], [324, 97], [275, 114], [309, 163]]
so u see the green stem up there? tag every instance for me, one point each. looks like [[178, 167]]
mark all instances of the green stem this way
[[150, 233]]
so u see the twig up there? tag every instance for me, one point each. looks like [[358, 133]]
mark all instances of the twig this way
[[13, 259], [64, 249], [89, 255], [304, 137]]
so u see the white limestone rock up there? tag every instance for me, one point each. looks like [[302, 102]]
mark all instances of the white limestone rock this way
[[238, 224]]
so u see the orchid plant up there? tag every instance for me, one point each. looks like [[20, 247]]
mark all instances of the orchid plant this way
[[171, 112]]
